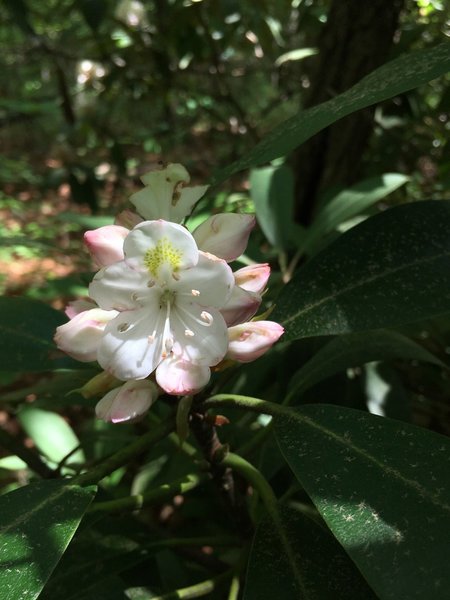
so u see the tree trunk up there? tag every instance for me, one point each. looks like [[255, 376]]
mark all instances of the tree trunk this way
[[356, 40]]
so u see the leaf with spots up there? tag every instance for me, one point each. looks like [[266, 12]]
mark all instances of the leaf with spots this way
[[406, 72], [322, 569], [392, 269], [27, 328], [37, 523], [383, 488]]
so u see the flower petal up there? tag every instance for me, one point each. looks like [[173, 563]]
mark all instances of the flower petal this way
[[77, 306], [225, 235], [180, 377], [200, 334], [106, 244], [253, 278], [209, 283], [164, 196], [132, 344], [80, 337], [118, 286], [241, 306], [126, 402], [188, 198], [249, 341], [160, 249]]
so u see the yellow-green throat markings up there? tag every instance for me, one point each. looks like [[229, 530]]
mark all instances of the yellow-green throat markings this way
[[163, 253]]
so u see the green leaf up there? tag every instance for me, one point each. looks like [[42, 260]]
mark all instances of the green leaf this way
[[27, 328], [406, 72], [353, 350], [350, 203], [316, 567], [53, 436], [272, 191], [37, 523], [382, 487], [391, 269]]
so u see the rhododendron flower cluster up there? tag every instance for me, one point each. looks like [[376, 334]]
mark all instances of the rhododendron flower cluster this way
[[165, 306]]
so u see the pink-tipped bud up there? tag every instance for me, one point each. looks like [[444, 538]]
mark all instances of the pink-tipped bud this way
[[225, 235], [241, 306], [80, 337], [127, 402], [253, 278], [106, 244], [78, 306], [179, 377], [249, 341]]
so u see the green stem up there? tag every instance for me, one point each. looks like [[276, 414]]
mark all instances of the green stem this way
[[33, 460], [167, 490], [256, 479], [199, 589], [247, 402], [125, 454]]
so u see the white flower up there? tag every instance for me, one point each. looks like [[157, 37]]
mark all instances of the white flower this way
[[165, 195], [168, 295]]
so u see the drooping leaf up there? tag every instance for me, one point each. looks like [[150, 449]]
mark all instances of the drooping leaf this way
[[396, 77], [311, 565], [37, 523], [353, 350], [52, 435], [350, 203], [272, 191], [392, 269], [27, 328], [383, 488]]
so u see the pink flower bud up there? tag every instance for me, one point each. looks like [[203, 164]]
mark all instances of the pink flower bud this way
[[179, 377], [249, 341], [253, 278], [106, 244], [77, 306], [225, 235], [127, 402], [241, 306], [80, 337]]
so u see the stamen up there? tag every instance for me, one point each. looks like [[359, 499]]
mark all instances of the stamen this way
[[189, 333], [123, 327], [195, 292], [207, 317], [167, 338], [150, 283], [175, 276], [134, 296]]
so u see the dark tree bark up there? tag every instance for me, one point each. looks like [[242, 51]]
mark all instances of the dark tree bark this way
[[356, 39]]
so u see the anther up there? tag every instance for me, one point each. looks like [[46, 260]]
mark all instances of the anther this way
[[189, 333], [205, 316], [195, 292], [150, 283], [123, 327]]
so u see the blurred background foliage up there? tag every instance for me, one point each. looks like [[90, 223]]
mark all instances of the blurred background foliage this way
[[95, 92]]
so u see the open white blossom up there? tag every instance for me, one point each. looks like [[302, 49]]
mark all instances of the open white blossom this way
[[168, 294]]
